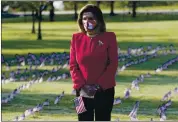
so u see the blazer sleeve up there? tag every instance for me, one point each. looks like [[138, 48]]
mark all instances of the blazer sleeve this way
[[77, 77], [109, 73]]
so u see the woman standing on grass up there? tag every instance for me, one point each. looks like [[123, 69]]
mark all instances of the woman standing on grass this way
[[93, 64]]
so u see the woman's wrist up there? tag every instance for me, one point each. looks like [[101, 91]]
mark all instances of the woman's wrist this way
[[98, 87]]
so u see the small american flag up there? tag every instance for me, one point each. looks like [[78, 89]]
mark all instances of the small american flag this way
[[79, 105]]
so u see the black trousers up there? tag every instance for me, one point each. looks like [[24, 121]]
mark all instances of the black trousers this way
[[100, 107]]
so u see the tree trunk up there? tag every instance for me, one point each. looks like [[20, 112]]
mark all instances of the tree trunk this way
[[36, 14], [39, 24], [25, 17], [112, 8], [134, 6], [98, 3], [75, 11], [51, 12], [33, 21]]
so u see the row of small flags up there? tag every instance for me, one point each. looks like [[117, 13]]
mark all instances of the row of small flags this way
[[38, 108], [8, 67], [16, 91], [144, 59], [30, 58], [138, 61], [14, 74], [134, 52], [166, 64]]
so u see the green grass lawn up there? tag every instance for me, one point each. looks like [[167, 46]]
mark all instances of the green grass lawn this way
[[17, 39]]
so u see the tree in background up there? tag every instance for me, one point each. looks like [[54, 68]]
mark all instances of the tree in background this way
[[34, 8], [39, 22], [112, 8], [42, 7], [134, 6], [75, 10], [51, 11], [33, 21], [24, 6], [98, 3], [76, 5]]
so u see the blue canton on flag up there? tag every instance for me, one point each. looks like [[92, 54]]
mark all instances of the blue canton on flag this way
[[79, 105]]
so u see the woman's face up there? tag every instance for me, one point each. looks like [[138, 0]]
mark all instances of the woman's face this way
[[89, 21]]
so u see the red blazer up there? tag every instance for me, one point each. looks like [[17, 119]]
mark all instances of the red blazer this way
[[93, 60]]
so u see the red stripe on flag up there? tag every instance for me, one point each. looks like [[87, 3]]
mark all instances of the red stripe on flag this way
[[80, 108]]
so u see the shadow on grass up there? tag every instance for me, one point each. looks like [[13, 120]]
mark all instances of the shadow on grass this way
[[153, 80], [107, 17], [43, 44], [65, 44]]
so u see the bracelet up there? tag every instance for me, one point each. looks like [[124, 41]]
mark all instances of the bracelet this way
[[98, 87]]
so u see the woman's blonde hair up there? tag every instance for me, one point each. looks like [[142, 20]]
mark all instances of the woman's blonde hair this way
[[97, 14]]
